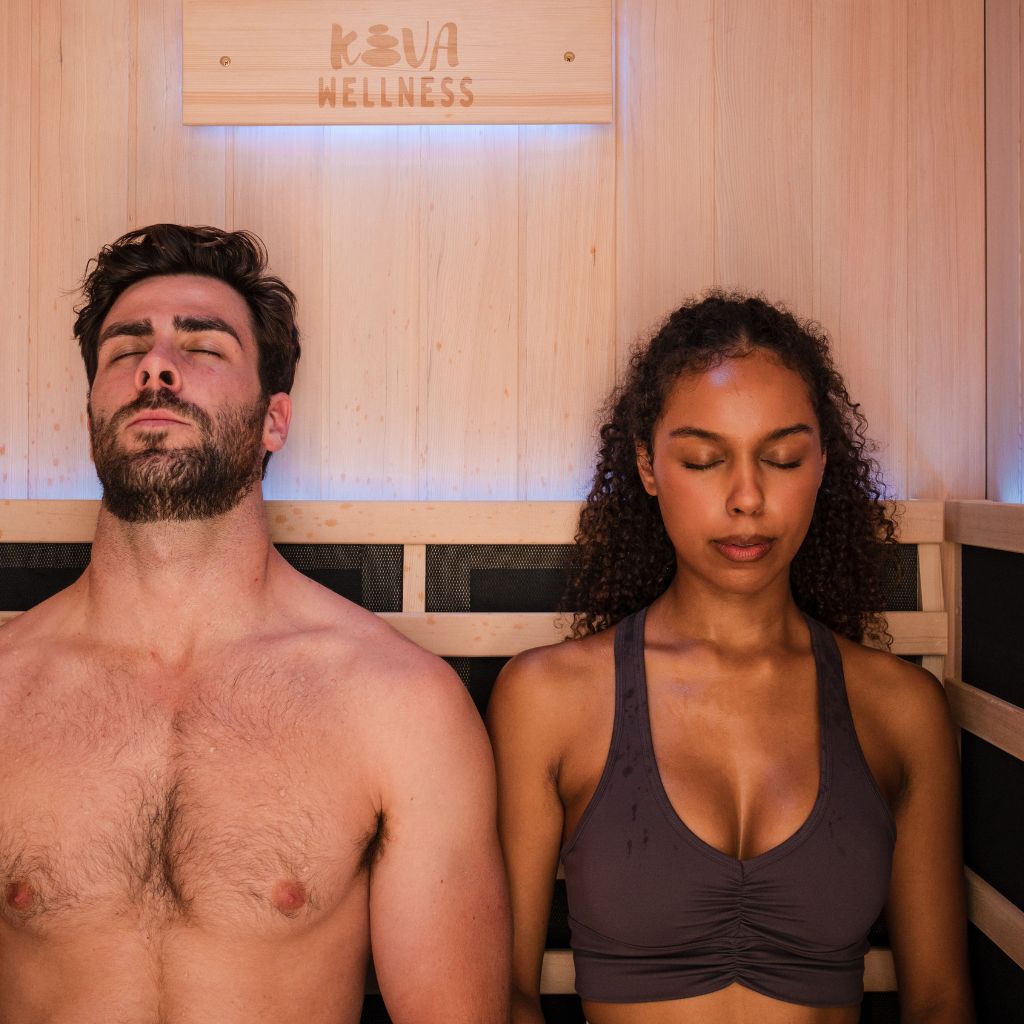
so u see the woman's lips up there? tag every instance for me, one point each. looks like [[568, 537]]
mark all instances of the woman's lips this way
[[744, 550]]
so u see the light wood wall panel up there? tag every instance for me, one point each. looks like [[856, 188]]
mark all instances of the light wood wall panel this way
[[860, 211], [81, 85], [468, 330], [465, 293], [1004, 112], [665, 161], [567, 304], [15, 193], [372, 345], [946, 249], [277, 178], [763, 134], [176, 174]]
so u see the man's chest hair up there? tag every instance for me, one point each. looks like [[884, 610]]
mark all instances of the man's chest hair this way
[[116, 800]]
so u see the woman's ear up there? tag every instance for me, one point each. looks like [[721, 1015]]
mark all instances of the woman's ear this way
[[645, 469]]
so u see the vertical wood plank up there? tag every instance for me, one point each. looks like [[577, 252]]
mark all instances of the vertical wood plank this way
[[278, 193], [860, 211], [946, 306], [414, 577], [763, 153], [15, 253], [372, 355], [177, 173], [1004, 115], [469, 253], [665, 187], [82, 78], [567, 271]]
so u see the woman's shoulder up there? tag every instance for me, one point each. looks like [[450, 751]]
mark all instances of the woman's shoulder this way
[[899, 700], [547, 684]]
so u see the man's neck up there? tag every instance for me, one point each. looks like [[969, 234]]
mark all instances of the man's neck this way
[[175, 586]]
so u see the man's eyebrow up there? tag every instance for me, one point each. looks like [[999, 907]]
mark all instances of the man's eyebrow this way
[[198, 324], [131, 328], [709, 435]]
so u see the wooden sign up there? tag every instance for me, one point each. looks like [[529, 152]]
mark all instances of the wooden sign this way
[[397, 61]]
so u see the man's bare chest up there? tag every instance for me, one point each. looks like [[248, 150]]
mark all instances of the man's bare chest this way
[[219, 800]]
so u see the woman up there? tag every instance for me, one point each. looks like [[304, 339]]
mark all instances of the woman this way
[[735, 785]]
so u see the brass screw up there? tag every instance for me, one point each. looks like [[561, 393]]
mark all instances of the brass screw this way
[[225, 61], [569, 56]]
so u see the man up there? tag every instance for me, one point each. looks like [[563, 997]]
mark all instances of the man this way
[[222, 786]]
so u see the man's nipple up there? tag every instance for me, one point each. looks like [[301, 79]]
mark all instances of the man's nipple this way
[[288, 896], [20, 896]]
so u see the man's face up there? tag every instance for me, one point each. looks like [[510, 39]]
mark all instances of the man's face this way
[[178, 421]]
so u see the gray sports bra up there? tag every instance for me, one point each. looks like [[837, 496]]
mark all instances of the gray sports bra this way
[[656, 913]]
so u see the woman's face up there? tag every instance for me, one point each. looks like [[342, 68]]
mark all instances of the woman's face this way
[[736, 466]]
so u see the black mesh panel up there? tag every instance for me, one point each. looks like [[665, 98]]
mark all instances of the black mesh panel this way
[[369, 574], [30, 573]]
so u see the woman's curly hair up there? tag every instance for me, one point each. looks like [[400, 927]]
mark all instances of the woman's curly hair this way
[[624, 559]]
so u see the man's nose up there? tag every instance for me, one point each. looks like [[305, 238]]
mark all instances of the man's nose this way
[[156, 370]]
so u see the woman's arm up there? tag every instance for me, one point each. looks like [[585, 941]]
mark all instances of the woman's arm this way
[[523, 721], [926, 910]]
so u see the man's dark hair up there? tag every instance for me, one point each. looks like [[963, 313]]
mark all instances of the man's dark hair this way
[[238, 258]]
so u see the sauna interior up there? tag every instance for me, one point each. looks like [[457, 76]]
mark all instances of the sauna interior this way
[[467, 294]]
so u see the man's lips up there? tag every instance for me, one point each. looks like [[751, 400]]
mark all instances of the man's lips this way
[[151, 420], [744, 549]]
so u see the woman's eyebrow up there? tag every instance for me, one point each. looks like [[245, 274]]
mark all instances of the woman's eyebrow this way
[[710, 435]]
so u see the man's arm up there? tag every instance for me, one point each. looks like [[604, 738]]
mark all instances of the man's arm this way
[[439, 918]]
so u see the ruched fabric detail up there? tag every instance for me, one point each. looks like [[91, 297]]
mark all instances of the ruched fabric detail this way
[[656, 913]]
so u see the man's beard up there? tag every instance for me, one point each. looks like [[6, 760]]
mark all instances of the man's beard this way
[[157, 482]]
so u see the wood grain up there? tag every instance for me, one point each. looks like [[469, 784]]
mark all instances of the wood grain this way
[[278, 192], [763, 150], [82, 78], [372, 348], [995, 721], [468, 387], [177, 174], [15, 228], [258, 62], [1004, 162], [996, 916], [985, 524], [567, 304], [860, 211], [946, 239], [665, 181], [385, 522]]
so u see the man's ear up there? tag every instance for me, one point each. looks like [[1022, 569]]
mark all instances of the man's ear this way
[[277, 421], [645, 469]]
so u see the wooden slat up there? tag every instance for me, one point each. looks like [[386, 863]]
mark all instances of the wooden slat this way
[[945, 421], [860, 210], [373, 351], [512, 57], [503, 634], [763, 155], [929, 573], [567, 303], [1004, 277], [388, 522], [468, 330], [15, 229], [414, 578], [558, 975], [80, 202], [292, 227], [177, 174], [994, 720], [665, 172], [1001, 920], [985, 524]]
